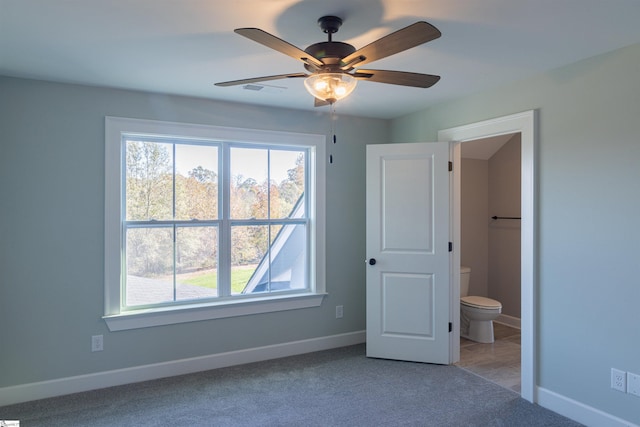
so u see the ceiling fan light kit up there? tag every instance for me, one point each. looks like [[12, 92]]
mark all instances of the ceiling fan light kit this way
[[332, 64], [330, 87]]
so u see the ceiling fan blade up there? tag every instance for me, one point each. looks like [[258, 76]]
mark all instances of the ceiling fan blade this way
[[273, 42], [402, 78], [406, 38], [261, 79]]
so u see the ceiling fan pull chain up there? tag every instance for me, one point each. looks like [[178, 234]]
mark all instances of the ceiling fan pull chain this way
[[333, 128]]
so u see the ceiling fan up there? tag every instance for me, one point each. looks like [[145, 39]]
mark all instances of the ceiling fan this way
[[332, 65]]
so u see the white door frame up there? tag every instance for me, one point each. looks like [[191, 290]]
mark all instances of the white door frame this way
[[526, 124]]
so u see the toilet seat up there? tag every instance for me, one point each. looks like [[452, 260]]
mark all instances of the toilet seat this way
[[481, 302]]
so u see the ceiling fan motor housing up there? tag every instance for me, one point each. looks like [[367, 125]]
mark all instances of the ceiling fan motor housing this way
[[330, 53]]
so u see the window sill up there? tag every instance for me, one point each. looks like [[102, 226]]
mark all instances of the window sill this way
[[197, 312]]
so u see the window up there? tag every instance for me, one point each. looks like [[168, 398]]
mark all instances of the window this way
[[203, 222]]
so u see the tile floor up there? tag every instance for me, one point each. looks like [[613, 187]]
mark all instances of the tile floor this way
[[498, 362]]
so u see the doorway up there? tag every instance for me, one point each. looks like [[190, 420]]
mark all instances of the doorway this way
[[490, 249], [525, 124]]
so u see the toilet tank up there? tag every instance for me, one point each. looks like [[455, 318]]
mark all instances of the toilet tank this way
[[465, 273]]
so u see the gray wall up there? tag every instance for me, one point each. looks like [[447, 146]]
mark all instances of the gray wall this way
[[588, 205], [504, 234], [51, 232], [474, 230]]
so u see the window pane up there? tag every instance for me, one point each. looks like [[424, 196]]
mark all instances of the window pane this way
[[196, 262], [248, 183], [249, 246], [287, 183], [149, 255], [284, 269], [149, 181], [196, 182], [288, 257]]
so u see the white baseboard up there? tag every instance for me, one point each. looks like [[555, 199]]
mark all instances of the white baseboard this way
[[58, 387], [505, 319], [579, 412]]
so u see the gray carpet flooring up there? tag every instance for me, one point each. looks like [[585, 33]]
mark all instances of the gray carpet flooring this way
[[339, 387]]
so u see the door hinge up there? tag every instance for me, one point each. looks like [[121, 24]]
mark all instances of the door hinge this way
[[450, 166], [450, 246], [450, 327]]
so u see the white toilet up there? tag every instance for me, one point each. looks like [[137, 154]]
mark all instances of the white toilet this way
[[476, 313]]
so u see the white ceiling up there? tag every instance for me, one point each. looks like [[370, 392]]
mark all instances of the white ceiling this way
[[184, 47]]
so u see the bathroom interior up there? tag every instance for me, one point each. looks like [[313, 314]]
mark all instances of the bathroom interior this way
[[490, 255]]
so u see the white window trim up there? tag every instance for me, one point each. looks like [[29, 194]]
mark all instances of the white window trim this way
[[116, 320]]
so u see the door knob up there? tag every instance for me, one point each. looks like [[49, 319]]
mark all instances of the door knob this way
[[372, 261]]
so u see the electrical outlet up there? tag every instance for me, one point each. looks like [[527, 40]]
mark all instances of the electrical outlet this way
[[633, 384], [618, 380], [97, 343], [339, 312]]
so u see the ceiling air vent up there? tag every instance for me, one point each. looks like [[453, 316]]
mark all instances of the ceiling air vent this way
[[264, 88]]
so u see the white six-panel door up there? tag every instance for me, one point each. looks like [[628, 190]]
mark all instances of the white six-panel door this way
[[408, 259]]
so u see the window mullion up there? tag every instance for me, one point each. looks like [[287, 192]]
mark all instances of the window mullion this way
[[224, 266], [175, 260], [175, 231], [269, 218]]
